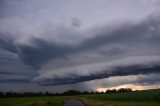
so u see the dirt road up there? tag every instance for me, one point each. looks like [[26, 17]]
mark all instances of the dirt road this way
[[73, 102]]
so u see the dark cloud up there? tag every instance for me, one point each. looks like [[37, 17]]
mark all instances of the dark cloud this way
[[15, 81], [131, 35], [127, 33], [6, 42], [149, 79], [59, 54], [12, 70], [117, 71], [44, 51]]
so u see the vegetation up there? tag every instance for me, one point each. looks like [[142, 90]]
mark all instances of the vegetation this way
[[32, 101], [119, 90], [121, 97], [66, 93], [136, 98]]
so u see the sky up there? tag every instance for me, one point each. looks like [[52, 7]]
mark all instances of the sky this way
[[86, 45]]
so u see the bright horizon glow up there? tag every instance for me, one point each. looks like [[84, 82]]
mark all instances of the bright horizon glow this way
[[132, 86]]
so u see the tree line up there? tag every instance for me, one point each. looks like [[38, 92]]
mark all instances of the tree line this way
[[66, 93]]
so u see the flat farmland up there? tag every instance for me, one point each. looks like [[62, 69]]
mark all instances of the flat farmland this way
[[137, 98], [32, 101]]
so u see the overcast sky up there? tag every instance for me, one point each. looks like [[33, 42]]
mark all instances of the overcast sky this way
[[56, 45]]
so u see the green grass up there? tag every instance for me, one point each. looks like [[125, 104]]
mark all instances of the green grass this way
[[32, 101], [141, 98], [131, 103]]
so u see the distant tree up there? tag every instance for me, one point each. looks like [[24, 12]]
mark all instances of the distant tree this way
[[124, 90], [92, 92], [48, 94], [111, 91], [97, 92], [1, 94], [102, 92]]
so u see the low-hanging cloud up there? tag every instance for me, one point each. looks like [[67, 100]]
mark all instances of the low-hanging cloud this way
[[61, 53], [141, 40], [129, 66], [132, 41]]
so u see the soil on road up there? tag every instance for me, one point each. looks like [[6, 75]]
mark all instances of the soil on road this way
[[73, 102]]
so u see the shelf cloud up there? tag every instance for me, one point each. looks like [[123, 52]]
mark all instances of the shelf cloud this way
[[45, 47]]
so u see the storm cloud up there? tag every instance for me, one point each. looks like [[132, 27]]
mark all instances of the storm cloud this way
[[138, 42], [39, 45]]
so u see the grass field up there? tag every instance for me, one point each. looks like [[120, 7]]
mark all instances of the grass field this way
[[32, 101], [141, 98]]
